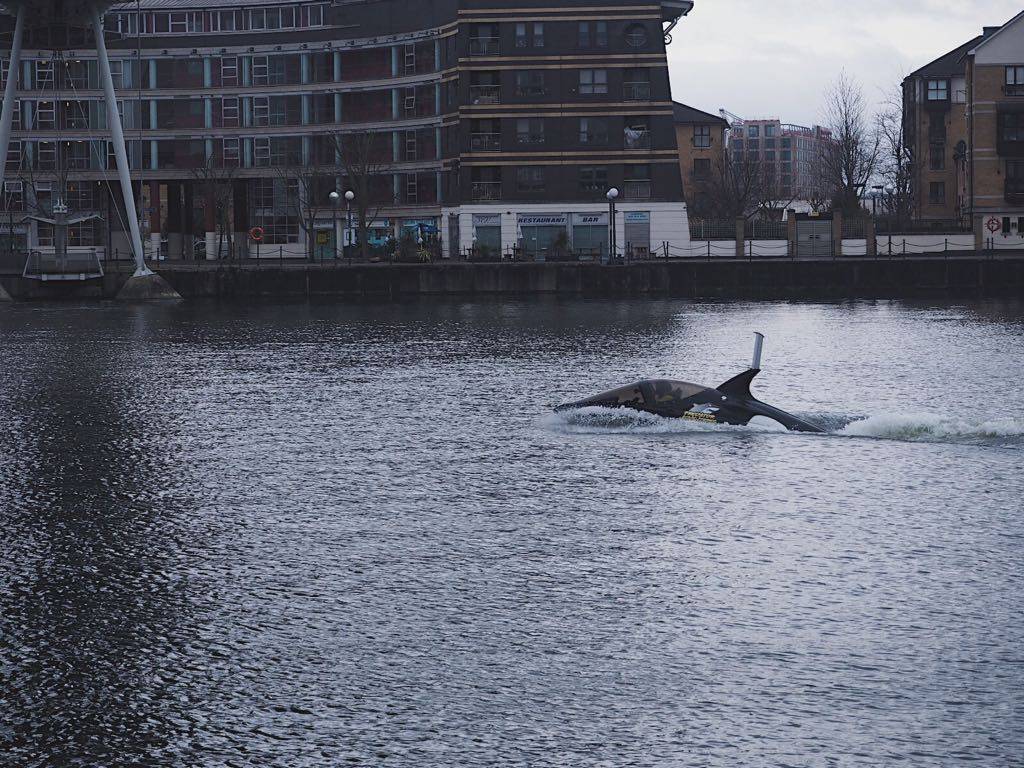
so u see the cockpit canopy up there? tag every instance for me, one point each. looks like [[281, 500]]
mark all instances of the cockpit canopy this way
[[662, 396]]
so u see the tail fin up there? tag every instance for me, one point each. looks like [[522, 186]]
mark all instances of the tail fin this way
[[739, 386]]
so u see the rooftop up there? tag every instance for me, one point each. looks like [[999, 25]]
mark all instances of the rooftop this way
[[687, 115]]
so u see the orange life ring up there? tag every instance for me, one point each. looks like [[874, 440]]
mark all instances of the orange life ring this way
[[256, 233]]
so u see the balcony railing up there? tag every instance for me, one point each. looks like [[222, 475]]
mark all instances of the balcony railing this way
[[530, 138], [636, 91], [485, 142], [484, 46], [486, 190], [485, 94], [1015, 191], [1013, 90], [636, 190]]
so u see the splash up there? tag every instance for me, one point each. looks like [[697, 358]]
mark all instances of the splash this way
[[919, 427], [598, 420], [929, 427]]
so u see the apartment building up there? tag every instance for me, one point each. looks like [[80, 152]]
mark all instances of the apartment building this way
[[964, 124], [492, 122], [701, 138], [995, 135], [791, 152]]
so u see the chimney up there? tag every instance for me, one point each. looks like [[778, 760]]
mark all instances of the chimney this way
[[989, 31]]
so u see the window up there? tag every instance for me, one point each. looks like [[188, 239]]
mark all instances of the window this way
[[938, 90], [937, 129], [1010, 133], [594, 131], [937, 192], [530, 83], [529, 130], [753, 131], [1015, 75], [530, 179], [593, 82], [636, 36], [522, 41], [702, 136], [529, 34], [593, 178], [593, 34], [231, 154], [316, 15], [937, 157], [701, 168], [787, 143], [769, 131]]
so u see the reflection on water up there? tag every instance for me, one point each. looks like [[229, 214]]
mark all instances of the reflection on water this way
[[322, 535]]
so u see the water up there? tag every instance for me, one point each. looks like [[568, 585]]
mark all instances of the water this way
[[328, 535]]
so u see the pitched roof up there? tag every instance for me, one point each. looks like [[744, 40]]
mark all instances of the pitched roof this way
[[985, 39], [949, 64], [692, 116]]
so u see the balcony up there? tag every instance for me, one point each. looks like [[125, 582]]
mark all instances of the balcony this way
[[636, 139], [530, 138], [485, 142], [484, 46], [484, 94], [636, 91], [637, 190], [483, 191], [1013, 90], [1014, 191]]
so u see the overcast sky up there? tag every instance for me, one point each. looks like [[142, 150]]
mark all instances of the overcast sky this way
[[776, 58]]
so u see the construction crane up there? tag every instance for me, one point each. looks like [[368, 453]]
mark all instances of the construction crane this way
[[730, 117]]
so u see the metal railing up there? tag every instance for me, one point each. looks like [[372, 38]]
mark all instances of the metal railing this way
[[486, 190], [642, 141], [485, 142], [485, 94], [637, 190], [484, 46], [636, 91]]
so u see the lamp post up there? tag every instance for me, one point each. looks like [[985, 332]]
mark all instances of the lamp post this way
[[335, 199], [349, 197], [613, 245], [876, 191]]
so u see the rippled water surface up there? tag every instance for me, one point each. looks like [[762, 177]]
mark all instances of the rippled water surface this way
[[356, 535]]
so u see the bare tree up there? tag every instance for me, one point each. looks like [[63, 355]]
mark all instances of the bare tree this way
[[851, 159], [365, 161], [771, 199], [732, 189], [308, 195], [216, 182], [895, 160]]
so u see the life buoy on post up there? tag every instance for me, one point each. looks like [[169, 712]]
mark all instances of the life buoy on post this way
[[256, 233]]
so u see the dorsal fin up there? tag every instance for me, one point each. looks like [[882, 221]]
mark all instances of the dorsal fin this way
[[739, 386]]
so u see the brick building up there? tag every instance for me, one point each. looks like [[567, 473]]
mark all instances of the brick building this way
[[964, 124], [701, 137], [493, 122]]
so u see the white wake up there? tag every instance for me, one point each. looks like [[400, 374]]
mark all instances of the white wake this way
[[912, 427]]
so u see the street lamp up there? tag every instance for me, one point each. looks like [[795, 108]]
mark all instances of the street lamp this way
[[349, 197], [613, 246], [877, 189], [335, 199]]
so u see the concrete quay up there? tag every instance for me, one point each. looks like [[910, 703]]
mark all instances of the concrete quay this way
[[961, 275]]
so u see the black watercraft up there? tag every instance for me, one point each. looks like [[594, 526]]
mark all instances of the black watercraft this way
[[728, 403]]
